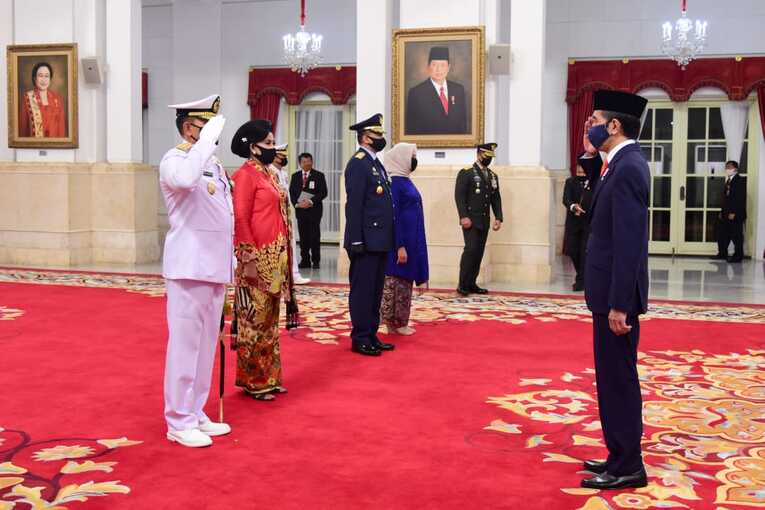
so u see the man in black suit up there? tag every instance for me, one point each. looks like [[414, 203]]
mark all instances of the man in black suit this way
[[437, 105], [616, 281], [576, 194], [730, 226], [369, 234], [308, 211], [475, 192]]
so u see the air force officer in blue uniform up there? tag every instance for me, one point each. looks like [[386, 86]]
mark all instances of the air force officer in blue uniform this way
[[616, 281], [369, 234]]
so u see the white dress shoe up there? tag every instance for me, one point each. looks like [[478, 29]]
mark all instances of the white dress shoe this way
[[212, 428], [299, 280], [193, 438]]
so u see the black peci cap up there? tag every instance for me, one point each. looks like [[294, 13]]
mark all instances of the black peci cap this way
[[619, 102], [438, 53]]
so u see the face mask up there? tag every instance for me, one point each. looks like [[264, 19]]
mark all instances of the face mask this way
[[266, 155], [414, 164], [285, 161], [378, 144], [486, 161], [598, 135], [581, 178]]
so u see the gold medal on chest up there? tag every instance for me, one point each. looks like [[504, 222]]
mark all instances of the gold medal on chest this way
[[478, 191], [380, 190], [211, 188]]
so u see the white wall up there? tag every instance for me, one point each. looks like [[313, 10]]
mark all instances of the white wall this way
[[193, 48]]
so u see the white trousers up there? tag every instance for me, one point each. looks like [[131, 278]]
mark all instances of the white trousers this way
[[193, 320], [295, 270]]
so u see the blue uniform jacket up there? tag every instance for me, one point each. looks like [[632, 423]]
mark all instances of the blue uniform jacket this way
[[369, 204], [616, 272], [410, 233]]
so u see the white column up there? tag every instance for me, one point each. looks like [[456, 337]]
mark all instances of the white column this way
[[527, 43], [90, 35], [123, 82], [373, 40]]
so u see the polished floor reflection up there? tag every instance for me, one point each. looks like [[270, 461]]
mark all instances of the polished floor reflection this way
[[680, 278]]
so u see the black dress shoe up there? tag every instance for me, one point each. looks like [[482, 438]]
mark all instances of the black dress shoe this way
[[316, 265], [382, 346], [304, 265], [366, 350], [719, 256], [463, 292], [735, 259], [605, 481], [595, 466], [577, 287], [479, 290]]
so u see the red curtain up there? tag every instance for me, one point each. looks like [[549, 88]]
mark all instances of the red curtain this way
[[761, 103], [578, 112], [266, 107], [338, 82], [145, 89]]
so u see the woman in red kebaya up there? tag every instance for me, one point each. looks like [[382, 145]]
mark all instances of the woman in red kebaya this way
[[42, 110], [263, 274]]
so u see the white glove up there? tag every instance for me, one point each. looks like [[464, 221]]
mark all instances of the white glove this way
[[212, 130]]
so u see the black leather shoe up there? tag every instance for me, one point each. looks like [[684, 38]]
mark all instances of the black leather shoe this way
[[719, 256], [735, 259], [479, 290], [382, 346], [366, 350], [606, 481], [304, 265], [577, 287], [316, 265], [463, 292], [595, 466]]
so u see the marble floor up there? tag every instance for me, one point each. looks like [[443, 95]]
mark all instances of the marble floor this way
[[682, 278]]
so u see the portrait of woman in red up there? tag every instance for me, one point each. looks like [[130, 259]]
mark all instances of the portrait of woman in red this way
[[42, 110]]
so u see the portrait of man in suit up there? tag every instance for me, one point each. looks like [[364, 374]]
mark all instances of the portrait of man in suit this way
[[437, 104], [438, 86]]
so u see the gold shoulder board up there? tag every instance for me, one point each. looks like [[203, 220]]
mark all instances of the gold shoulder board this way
[[185, 146], [359, 155]]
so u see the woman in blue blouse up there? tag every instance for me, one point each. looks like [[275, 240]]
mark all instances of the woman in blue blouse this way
[[409, 263]]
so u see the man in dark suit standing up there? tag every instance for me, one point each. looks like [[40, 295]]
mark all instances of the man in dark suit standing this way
[[308, 211], [576, 197], [616, 283], [730, 226], [437, 105], [369, 234], [476, 190]]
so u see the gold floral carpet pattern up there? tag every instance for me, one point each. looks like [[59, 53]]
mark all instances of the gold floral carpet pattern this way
[[704, 412]]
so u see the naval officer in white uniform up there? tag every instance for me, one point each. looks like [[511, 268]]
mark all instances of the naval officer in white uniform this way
[[197, 265]]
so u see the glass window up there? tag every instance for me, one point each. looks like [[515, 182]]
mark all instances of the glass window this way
[[694, 226], [697, 123], [664, 124], [660, 225], [694, 191], [662, 192], [715, 125], [647, 131]]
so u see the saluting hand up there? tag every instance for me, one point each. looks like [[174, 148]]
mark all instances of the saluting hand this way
[[588, 147], [213, 129], [497, 225], [466, 223], [617, 321]]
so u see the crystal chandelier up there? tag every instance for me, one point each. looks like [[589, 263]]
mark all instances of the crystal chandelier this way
[[688, 38], [302, 51]]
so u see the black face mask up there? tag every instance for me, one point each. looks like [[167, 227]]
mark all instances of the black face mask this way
[[378, 144], [267, 156], [414, 164], [285, 161], [581, 178], [486, 161]]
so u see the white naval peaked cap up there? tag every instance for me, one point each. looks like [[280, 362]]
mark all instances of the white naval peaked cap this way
[[281, 148], [205, 108]]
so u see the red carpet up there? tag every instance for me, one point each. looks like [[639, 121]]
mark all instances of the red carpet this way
[[488, 406]]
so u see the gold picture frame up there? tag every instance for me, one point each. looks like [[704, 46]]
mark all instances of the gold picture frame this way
[[433, 115], [42, 105]]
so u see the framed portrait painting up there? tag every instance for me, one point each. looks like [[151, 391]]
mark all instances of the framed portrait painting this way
[[42, 96], [438, 86]]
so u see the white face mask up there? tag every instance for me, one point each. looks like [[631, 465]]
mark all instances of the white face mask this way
[[730, 171]]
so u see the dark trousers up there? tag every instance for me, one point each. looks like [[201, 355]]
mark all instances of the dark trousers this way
[[619, 400], [367, 278], [577, 252], [309, 229], [727, 231], [470, 263]]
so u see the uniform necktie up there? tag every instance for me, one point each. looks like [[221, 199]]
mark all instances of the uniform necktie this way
[[604, 168], [444, 102]]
